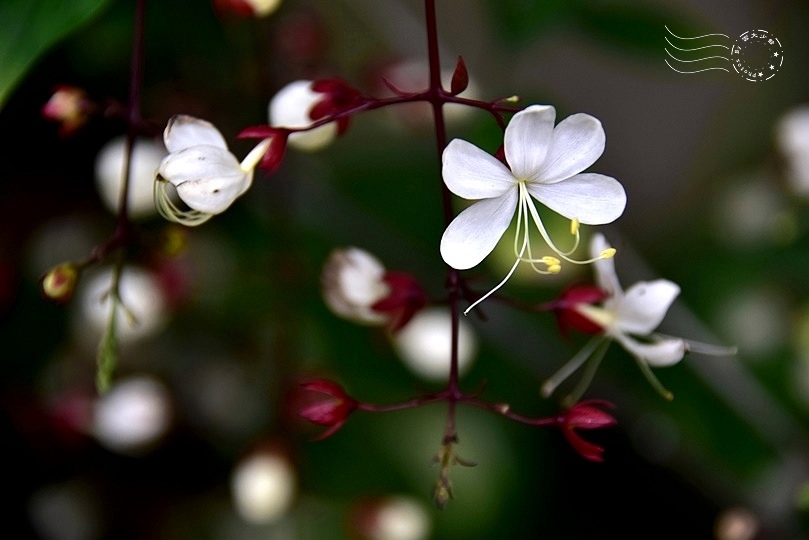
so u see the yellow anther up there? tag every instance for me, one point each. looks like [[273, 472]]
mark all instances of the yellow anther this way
[[550, 260], [574, 226], [555, 268], [607, 253]]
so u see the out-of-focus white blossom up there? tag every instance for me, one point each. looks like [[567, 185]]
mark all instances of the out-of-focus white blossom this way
[[392, 518], [263, 487], [291, 107], [352, 283], [424, 344], [133, 415], [792, 138], [357, 287], [141, 313], [109, 174]]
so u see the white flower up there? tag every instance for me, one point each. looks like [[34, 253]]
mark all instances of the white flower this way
[[290, 108], [544, 163], [352, 283], [208, 178], [628, 317]]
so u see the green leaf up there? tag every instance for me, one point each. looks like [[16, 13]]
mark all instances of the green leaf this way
[[29, 27]]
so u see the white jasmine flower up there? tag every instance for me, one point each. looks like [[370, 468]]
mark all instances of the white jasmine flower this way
[[291, 108], [207, 177], [544, 163], [628, 317]]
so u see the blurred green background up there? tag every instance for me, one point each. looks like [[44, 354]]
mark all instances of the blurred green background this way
[[710, 206]]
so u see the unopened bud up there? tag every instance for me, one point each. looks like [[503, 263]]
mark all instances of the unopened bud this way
[[60, 282]]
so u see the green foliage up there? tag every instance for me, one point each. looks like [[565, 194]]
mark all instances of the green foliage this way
[[28, 28]]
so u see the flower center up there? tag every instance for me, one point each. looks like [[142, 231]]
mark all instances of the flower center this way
[[547, 264], [600, 316]]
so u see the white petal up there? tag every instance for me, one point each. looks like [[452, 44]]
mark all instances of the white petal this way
[[474, 232], [594, 199], [527, 139], [605, 276], [214, 195], [184, 131], [471, 173], [644, 305], [662, 353], [577, 142], [207, 178]]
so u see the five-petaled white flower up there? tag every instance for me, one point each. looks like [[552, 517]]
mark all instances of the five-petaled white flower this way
[[628, 317], [207, 177], [544, 162]]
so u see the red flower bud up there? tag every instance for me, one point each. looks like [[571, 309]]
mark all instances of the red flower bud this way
[[331, 411], [405, 298], [585, 415], [567, 316]]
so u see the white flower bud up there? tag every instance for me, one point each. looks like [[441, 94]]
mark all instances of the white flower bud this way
[[109, 173], [352, 283], [290, 108]]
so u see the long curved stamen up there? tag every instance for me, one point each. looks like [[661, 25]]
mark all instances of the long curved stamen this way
[[505, 279], [571, 366], [605, 254], [589, 372], [166, 207]]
